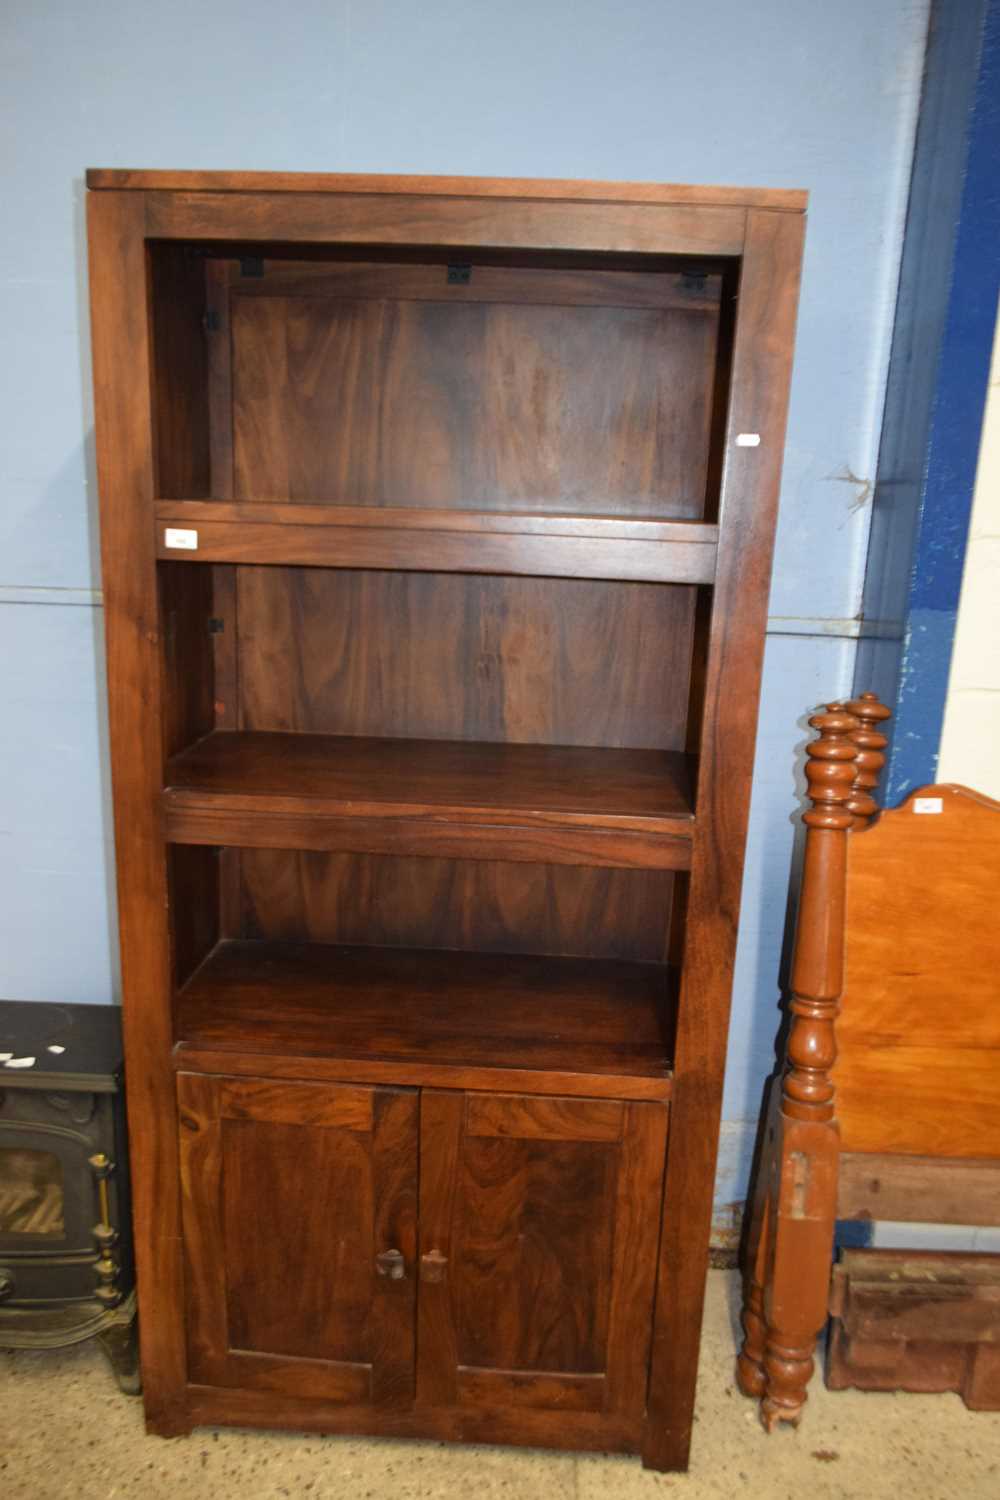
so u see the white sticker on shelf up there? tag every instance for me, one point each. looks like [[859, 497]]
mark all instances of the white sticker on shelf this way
[[55, 1047], [928, 804], [748, 440], [181, 537], [20, 1062], [6, 1056]]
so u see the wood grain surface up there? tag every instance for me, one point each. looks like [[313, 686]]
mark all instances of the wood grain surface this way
[[275, 1301], [919, 1032], [310, 999], [123, 364], [454, 450], [446, 656], [465, 781], [489, 223], [791, 199], [544, 1263], [448, 549], [494, 906], [596, 417], [761, 369]]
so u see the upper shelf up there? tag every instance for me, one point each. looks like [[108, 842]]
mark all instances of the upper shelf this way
[[555, 804], [437, 540]]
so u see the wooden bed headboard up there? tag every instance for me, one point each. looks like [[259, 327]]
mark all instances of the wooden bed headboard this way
[[886, 1099], [918, 1035]]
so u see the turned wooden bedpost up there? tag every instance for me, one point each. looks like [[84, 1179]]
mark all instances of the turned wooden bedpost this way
[[750, 1375], [795, 1298], [870, 758], [790, 1231]]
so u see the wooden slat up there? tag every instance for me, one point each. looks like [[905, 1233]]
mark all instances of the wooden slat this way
[[548, 1119], [219, 350], [790, 199], [200, 1157], [495, 1389], [545, 287], [300, 1379], [440, 1154], [392, 1328], [193, 1058], [880, 1185], [437, 838], [412, 219], [570, 1430], [542, 522], [640, 1185], [762, 354], [363, 546], [298, 1104]]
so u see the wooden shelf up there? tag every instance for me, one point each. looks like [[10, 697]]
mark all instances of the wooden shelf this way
[[427, 1017], [535, 803], [641, 549]]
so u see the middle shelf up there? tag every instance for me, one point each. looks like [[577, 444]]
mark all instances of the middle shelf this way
[[561, 804]]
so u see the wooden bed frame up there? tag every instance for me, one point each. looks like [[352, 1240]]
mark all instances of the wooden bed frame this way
[[886, 1104]]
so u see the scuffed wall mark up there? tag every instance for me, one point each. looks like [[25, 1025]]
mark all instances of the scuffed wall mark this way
[[846, 475]]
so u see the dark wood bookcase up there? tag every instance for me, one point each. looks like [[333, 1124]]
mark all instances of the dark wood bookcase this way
[[437, 518]]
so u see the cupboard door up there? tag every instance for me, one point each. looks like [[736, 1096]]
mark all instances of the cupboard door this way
[[299, 1211], [538, 1236]]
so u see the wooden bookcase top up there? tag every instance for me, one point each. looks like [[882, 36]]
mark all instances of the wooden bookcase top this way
[[790, 200]]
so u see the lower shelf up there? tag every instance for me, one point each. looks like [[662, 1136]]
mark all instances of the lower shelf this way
[[414, 1016]]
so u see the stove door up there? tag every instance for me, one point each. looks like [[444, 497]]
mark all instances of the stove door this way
[[31, 1194], [49, 1202]]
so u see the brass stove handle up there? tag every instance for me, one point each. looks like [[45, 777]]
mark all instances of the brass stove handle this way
[[391, 1263]]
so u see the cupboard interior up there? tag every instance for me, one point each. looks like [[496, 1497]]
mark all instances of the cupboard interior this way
[[469, 380]]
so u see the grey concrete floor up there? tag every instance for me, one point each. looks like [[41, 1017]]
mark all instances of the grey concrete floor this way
[[67, 1434]]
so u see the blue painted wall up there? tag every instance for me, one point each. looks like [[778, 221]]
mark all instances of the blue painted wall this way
[[937, 387], [796, 93]]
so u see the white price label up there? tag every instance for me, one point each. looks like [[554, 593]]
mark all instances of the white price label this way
[[181, 538], [748, 440], [928, 804]]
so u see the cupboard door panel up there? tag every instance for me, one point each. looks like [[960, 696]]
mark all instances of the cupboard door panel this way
[[292, 1195], [537, 1251]]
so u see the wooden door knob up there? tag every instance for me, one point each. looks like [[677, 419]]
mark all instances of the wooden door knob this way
[[391, 1263], [433, 1266]]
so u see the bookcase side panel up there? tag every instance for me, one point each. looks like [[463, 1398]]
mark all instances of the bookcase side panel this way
[[755, 431], [122, 399]]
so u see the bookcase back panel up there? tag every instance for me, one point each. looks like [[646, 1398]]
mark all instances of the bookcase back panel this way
[[196, 881], [464, 656], [372, 395], [484, 905]]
